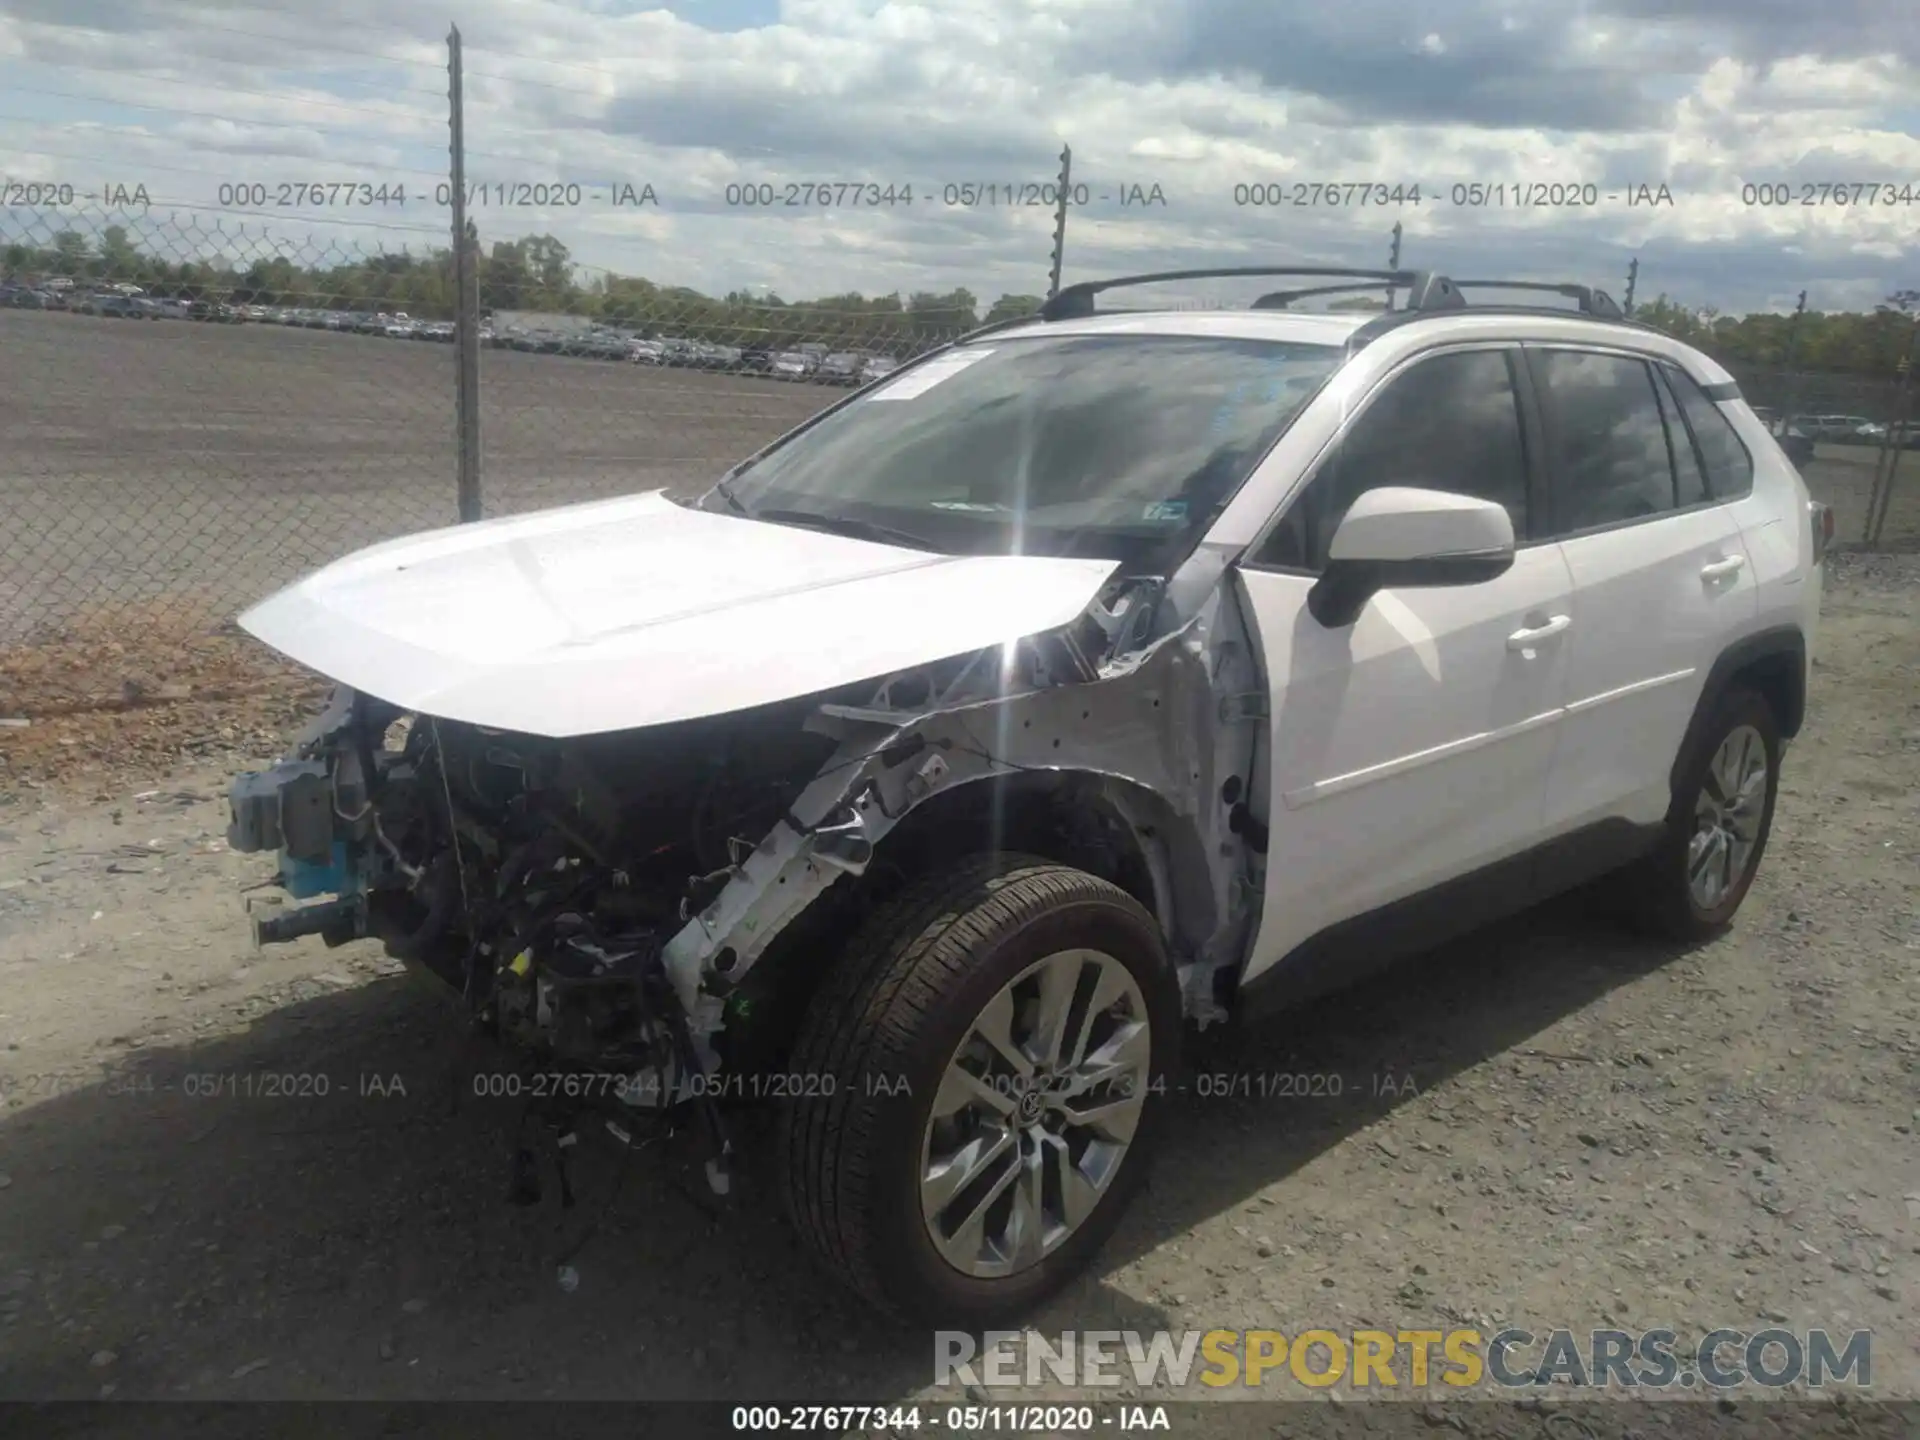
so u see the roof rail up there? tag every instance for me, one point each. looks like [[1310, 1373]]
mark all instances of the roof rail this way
[[1283, 299], [1425, 290], [1592, 302], [1005, 323]]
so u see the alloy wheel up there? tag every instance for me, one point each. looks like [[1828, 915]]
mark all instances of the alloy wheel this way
[[1035, 1112], [1727, 817]]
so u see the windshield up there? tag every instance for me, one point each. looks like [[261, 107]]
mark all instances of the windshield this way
[[1115, 447]]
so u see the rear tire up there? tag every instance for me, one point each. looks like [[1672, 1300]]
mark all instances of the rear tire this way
[[1689, 887], [908, 1068]]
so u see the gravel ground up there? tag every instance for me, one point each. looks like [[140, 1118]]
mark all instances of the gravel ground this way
[[1550, 1124]]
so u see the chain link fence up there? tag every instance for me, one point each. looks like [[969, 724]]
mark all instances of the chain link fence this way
[[594, 385], [199, 408], [197, 411], [1865, 439]]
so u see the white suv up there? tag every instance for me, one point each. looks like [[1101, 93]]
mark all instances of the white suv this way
[[1097, 673]]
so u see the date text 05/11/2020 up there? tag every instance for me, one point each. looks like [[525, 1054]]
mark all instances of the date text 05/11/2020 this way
[[525, 194], [761, 195], [1476, 195], [952, 194]]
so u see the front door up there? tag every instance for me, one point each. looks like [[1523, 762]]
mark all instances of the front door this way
[[1413, 746]]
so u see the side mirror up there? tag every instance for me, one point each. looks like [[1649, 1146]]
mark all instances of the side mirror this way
[[1398, 537]]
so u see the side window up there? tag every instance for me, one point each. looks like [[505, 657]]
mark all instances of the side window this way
[[1690, 480], [1608, 439], [1450, 423], [1729, 466]]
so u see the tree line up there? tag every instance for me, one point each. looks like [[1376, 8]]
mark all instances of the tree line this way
[[538, 274]]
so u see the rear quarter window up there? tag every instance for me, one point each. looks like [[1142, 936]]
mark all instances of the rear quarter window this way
[[1723, 453]]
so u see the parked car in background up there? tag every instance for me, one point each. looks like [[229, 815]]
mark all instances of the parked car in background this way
[[397, 327], [1795, 441], [1844, 429], [118, 307], [841, 369], [645, 352], [175, 309], [603, 345], [793, 365], [877, 367], [756, 360]]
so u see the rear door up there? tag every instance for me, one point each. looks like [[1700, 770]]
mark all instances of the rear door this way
[[1661, 577]]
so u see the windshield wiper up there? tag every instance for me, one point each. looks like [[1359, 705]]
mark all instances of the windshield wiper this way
[[845, 525]]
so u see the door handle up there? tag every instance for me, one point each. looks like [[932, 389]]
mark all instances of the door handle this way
[[1525, 640], [1721, 569]]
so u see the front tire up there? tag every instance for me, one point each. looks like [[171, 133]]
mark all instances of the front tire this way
[[991, 1055], [1689, 887]]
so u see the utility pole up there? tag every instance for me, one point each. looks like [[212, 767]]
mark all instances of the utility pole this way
[[1894, 445], [1060, 220], [1633, 276], [1393, 259], [1793, 352], [466, 305]]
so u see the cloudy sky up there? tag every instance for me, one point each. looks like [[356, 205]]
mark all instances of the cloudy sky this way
[[1197, 109]]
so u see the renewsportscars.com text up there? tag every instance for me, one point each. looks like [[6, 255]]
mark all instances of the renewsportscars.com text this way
[[1460, 1359]]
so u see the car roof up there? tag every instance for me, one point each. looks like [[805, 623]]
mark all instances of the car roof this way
[[1521, 324], [1302, 327]]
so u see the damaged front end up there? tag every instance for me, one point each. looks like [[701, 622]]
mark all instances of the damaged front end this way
[[603, 902], [539, 879]]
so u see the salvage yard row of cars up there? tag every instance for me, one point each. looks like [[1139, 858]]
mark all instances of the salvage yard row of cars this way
[[809, 362]]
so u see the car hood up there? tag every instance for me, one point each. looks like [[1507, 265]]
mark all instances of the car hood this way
[[624, 613]]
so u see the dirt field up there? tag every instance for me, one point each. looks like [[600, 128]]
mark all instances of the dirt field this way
[[193, 468], [1551, 1124], [186, 470]]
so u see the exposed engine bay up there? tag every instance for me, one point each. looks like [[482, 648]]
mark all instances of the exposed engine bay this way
[[538, 878], [598, 902]]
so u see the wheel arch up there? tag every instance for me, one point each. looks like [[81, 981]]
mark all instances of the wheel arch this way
[[1111, 827], [1772, 662]]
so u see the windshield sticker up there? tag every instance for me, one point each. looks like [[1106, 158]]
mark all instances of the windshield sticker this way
[[1166, 510], [923, 378]]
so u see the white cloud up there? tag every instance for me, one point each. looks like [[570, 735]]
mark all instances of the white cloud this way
[[1195, 98]]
